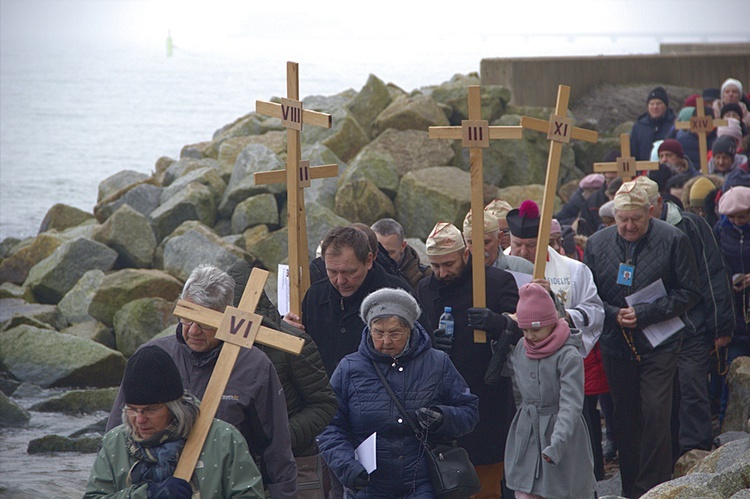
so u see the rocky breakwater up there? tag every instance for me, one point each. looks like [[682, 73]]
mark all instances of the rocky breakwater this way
[[81, 296]]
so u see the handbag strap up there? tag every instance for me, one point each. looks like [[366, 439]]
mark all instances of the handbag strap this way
[[396, 401]]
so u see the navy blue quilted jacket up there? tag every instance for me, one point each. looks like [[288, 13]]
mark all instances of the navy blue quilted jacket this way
[[646, 131], [420, 377]]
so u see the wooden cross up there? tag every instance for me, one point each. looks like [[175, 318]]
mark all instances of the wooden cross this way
[[701, 125], [559, 130], [626, 166], [297, 176], [476, 133], [238, 328]]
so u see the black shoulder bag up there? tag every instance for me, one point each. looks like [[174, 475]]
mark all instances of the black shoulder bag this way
[[453, 475]]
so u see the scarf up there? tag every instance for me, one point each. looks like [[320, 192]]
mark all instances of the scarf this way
[[155, 457], [550, 344]]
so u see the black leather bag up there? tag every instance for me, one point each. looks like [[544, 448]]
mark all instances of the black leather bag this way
[[453, 475]]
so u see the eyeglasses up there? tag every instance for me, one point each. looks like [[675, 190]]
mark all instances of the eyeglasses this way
[[393, 336], [148, 412], [186, 325]]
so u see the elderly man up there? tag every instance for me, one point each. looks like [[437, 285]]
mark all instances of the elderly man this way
[[492, 255], [655, 124], [451, 285], [390, 235], [637, 252], [253, 400], [500, 209], [672, 155], [569, 280]]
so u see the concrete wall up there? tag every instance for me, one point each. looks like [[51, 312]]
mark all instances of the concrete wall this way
[[534, 81], [705, 48]]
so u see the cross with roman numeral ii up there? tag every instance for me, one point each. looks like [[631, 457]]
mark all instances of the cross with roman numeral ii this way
[[626, 166], [238, 328]]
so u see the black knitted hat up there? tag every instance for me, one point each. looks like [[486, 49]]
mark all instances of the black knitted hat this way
[[659, 93], [151, 377]]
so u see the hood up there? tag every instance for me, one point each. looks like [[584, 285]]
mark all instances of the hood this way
[[575, 339]]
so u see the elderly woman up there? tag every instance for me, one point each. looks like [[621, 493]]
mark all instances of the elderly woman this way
[[427, 384], [731, 92], [138, 458]]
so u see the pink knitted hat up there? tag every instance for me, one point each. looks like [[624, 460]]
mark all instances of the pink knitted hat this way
[[535, 307]]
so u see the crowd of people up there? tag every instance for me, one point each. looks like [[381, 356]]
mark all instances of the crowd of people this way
[[643, 306]]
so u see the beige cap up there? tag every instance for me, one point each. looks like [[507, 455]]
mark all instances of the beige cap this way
[[631, 196], [648, 185], [499, 208], [445, 238], [490, 223], [699, 191]]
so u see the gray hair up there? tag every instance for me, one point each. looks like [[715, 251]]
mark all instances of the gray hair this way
[[184, 410], [388, 227], [210, 287]]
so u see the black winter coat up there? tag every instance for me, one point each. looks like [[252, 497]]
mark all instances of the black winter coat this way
[[646, 131], [736, 251], [662, 253], [486, 444]]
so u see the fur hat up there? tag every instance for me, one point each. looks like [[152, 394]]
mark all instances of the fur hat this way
[[389, 302], [445, 238], [535, 307], [524, 221], [151, 377]]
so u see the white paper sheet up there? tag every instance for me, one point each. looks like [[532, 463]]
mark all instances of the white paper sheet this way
[[521, 278], [282, 289], [659, 332], [365, 453]]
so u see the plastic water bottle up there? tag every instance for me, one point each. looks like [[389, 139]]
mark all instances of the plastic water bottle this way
[[446, 322]]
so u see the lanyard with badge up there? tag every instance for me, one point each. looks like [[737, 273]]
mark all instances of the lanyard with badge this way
[[625, 278]]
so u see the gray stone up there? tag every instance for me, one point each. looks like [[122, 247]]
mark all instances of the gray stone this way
[[517, 194], [119, 181], [54, 276], [193, 245], [130, 234], [92, 330], [74, 306], [143, 198], [689, 486], [417, 112], [51, 359], [272, 249], [194, 202], [738, 409], [12, 309], [732, 479], [250, 124], [587, 153], [431, 195], [724, 457], [231, 148], [361, 201], [76, 402], [376, 166], [7, 245], [686, 462], [328, 104], [730, 436], [10, 290], [62, 216], [369, 102], [137, 322], [321, 190], [198, 150], [124, 286], [741, 494], [253, 235], [92, 429], [11, 413], [59, 443], [15, 267], [186, 165], [206, 175], [241, 185], [455, 94], [410, 150], [345, 137], [319, 221], [256, 210]]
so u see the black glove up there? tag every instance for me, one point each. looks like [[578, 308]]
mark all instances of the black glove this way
[[362, 480], [171, 488], [487, 320], [429, 419], [441, 341]]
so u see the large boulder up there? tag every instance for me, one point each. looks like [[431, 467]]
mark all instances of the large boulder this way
[[143, 198], [137, 322], [374, 165], [517, 194], [241, 185], [738, 409], [76, 402], [124, 286], [119, 182], [319, 221], [369, 102], [62, 216], [59, 443], [206, 175], [249, 124], [130, 234], [418, 112], [455, 94], [437, 194], [92, 330], [193, 244], [74, 306], [587, 154], [54, 276], [13, 308], [194, 202], [345, 137], [361, 201], [11, 413], [256, 210], [51, 359], [408, 150], [199, 150], [272, 249], [231, 148], [321, 190], [184, 166], [15, 268]]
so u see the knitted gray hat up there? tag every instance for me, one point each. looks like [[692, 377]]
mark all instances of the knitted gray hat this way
[[389, 302]]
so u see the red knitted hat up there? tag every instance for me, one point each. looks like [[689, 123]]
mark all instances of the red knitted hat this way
[[535, 307], [672, 145]]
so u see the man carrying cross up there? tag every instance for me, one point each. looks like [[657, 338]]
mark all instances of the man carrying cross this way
[[253, 400]]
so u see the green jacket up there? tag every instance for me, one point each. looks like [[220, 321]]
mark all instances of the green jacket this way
[[224, 469]]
